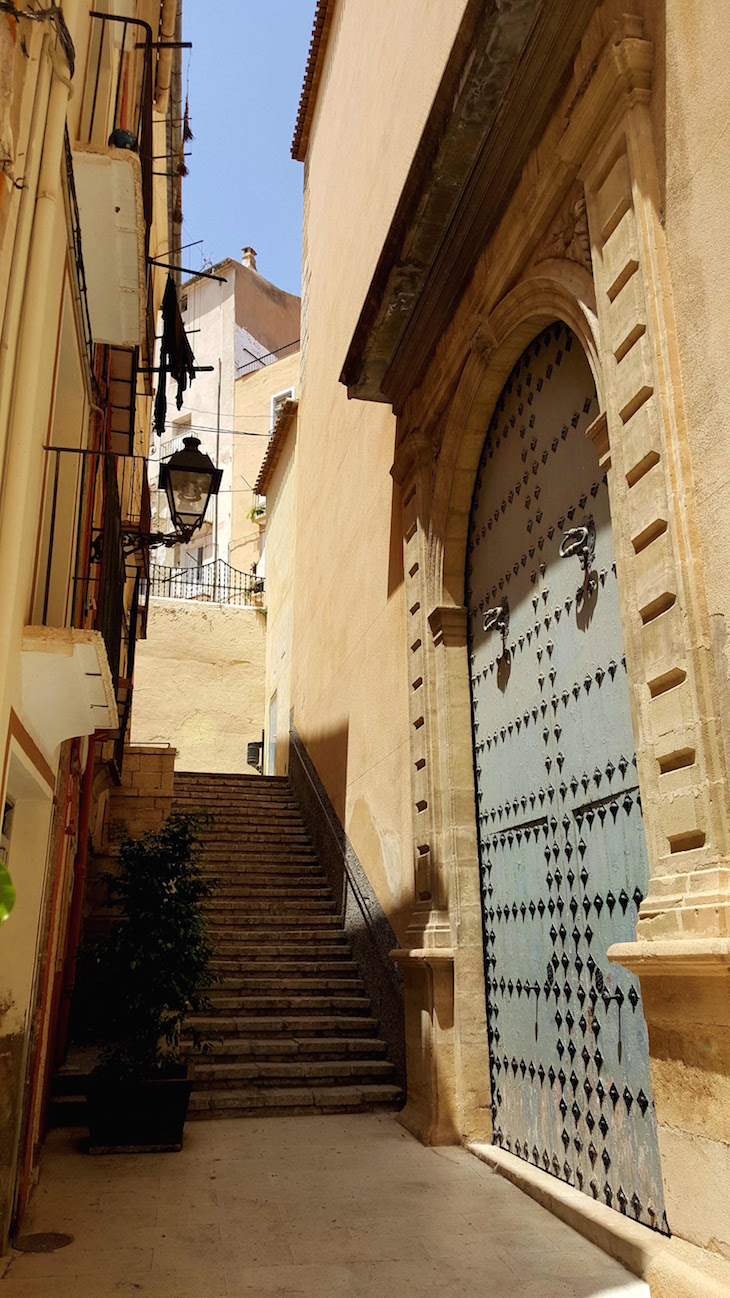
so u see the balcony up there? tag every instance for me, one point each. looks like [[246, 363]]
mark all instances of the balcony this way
[[269, 358], [113, 173], [78, 656], [211, 583]]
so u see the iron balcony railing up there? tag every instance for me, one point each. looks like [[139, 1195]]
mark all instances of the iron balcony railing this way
[[215, 582], [269, 358]]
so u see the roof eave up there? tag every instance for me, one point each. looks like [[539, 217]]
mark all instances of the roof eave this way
[[487, 114]]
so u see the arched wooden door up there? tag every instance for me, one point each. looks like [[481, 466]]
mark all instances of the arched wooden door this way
[[562, 848]]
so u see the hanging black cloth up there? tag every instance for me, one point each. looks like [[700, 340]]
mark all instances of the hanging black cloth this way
[[176, 355]]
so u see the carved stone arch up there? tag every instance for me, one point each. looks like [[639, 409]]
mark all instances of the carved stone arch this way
[[559, 291]]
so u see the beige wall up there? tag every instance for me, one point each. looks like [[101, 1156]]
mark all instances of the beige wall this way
[[254, 393], [199, 683], [270, 314], [280, 567], [350, 691]]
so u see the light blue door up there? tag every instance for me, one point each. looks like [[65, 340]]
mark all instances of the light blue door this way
[[562, 849]]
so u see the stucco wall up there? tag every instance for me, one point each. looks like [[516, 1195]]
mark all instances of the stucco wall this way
[[199, 683], [350, 690], [253, 397], [271, 315], [280, 568]]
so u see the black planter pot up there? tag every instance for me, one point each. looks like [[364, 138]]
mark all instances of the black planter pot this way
[[130, 1117]]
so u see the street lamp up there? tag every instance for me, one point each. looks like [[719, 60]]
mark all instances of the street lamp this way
[[189, 478]]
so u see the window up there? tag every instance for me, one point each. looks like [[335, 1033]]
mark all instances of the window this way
[[184, 302], [277, 401]]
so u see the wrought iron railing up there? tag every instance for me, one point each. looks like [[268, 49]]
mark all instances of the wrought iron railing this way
[[269, 358], [112, 573], [119, 91], [215, 582], [74, 224]]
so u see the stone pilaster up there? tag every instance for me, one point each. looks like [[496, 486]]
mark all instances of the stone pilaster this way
[[682, 947], [427, 957]]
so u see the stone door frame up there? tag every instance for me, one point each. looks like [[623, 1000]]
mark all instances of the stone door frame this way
[[618, 304]]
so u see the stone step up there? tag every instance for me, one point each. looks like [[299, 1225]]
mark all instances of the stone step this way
[[257, 901], [302, 951], [231, 812], [277, 945], [240, 865], [305, 892], [234, 1049], [302, 921], [233, 966], [260, 1072], [224, 1003], [238, 858], [280, 984], [293, 1100], [266, 831], [291, 1025], [237, 777], [274, 942]]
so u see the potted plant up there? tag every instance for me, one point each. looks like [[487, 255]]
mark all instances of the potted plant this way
[[153, 969]]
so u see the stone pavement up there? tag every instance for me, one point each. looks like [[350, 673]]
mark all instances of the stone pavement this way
[[326, 1206]]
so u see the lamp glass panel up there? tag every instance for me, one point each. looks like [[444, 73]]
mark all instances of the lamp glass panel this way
[[190, 492]]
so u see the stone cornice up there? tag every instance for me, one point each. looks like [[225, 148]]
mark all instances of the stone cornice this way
[[493, 103], [414, 451], [699, 956], [448, 625]]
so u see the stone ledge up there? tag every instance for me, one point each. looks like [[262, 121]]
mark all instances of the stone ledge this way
[[433, 954], [630, 1243], [679, 957]]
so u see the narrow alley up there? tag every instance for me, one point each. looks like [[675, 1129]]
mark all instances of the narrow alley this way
[[317, 1206], [364, 649]]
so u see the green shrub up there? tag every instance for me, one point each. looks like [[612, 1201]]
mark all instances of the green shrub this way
[[154, 966]]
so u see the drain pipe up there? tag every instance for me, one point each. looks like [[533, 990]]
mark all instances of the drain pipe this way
[[168, 25], [76, 915]]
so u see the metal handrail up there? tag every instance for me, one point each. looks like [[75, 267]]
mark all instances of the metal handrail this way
[[268, 358]]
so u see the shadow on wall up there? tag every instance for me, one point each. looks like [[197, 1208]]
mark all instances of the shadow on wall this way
[[328, 755], [369, 929]]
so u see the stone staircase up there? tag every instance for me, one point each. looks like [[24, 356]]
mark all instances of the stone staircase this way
[[289, 1027]]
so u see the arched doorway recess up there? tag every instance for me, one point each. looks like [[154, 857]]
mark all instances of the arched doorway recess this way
[[563, 858]]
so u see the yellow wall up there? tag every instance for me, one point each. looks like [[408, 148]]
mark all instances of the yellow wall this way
[[199, 683], [253, 415], [350, 691], [280, 568]]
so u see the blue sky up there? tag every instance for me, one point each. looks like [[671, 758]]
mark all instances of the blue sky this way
[[245, 76]]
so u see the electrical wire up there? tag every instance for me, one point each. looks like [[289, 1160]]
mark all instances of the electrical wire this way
[[55, 13]]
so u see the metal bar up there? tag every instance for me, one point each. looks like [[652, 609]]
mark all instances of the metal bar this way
[[119, 78], [185, 270], [51, 538], [155, 369], [96, 83], [170, 45]]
